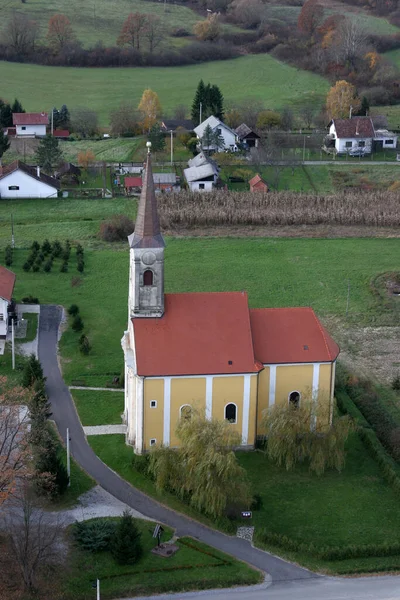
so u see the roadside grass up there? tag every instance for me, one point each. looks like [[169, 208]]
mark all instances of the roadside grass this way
[[32, 327], [99, 407], [362, 176], [110, 150], [392, 112], [194, 566], [174, 85], [13, 376]]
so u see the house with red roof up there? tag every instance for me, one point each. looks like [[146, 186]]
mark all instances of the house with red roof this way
[[7, 282], [257, 184], [30, 124], [210, 351], [358, 135], [18, 180]]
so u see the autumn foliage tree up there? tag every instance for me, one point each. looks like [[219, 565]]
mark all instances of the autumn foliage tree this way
[[310, 17], [132, 30], [149, 109], [341, 97], [86, 158], [209, 29], [59, 32]]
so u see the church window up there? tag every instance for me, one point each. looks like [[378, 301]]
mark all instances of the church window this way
[[230, 413], [294, 399], [186, 411], [148, 277], [153, 403], [153, 442]]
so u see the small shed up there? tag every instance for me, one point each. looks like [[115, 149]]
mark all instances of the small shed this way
[[247, 136], [132, 184], [257, 184], [165, 182]]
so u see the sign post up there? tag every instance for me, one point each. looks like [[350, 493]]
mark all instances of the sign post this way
[[158, 530]]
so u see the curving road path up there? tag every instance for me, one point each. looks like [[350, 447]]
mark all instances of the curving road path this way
[[65, 415]]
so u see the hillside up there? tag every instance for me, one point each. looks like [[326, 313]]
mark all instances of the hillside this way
[[243, 79]]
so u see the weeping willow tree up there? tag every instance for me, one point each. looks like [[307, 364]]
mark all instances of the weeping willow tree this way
[[204, 469], [302, 432]]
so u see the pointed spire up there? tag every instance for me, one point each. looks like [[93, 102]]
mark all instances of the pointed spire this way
[[147, 232]]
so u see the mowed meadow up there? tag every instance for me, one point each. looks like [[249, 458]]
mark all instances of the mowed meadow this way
[[241, 79]]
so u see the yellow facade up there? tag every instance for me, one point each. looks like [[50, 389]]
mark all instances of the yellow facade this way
[[252, 394]]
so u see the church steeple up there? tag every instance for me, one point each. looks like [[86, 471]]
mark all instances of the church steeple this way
[[146, 279]]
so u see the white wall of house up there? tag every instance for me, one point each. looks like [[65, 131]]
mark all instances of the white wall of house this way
[[30, 130], [387, 141], [3, 316], [347, 144], [24, 186], [201, 186], [228, 136]]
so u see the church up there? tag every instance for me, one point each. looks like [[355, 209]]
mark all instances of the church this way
[[210, 350]]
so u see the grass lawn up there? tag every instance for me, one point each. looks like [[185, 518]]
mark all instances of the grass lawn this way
[[392, 112], [31, 330], [104, 89], [13, 376], [300, 179], [99, 408], [194, 566], [110, 150]]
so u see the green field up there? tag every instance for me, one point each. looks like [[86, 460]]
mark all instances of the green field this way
[[98, 407], [261, 77]]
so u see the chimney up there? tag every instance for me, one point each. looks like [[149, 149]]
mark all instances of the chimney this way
[[38, 171], [351, 111], [357, 132]]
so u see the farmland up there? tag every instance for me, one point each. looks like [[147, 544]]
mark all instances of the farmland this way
[[104, 89]]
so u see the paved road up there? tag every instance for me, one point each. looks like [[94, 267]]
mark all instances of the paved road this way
[[65, 416], [327, 588]]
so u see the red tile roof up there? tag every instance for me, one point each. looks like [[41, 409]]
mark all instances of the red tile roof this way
[[290, 335], [354, 127], [256, 181], [7, 282], [200, 333], [133, 182], [30, 119], [61, 133]]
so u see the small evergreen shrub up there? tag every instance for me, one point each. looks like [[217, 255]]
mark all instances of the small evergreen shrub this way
[[94, 536], [36, 267], [32, 372], [77, 323], [26, 266], [396, 383], [46, 247], [140, 462], [79, 250], [30, 300], [73, 310], [47, 266], [84, 344], [40, 257], [8, 256], [64, 267], [56, 249], [126, 546], [35, 247], [81, 266]]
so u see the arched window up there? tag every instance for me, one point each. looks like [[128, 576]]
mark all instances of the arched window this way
[[186, 411], [230, 413], [148, 277], [294, 399]]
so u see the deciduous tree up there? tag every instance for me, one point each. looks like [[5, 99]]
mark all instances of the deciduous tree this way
[[84, 121], [157, 138], [20, 33], [124, 120], [209, 29], [49, 153], [211, 140], [132, 30], [86, 158], [310, 17], [153, 32], [341, 97], [149, 109], [59, 33]]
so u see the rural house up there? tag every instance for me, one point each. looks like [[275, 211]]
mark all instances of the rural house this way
[[358, 134], [30, 124], [257, 184], [229, 136], [210, 350], [7, 282], [247, 136], [18, 180], [202, 174]]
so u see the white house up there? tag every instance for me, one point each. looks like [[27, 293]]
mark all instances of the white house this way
[[18, 180], [30, 124], [7, 282], [358, 133], [229, 136], [202, 173]]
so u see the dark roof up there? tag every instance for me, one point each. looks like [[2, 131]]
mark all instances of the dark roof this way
[[147, 232], [199, 333], [7, 282], [174, 124], [31, 171], [244, 131], [290, 335], [68, 167], [30, 119], [354, 127], [61, 133]]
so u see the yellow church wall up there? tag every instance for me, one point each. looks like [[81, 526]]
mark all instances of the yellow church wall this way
[[290, 378], [325, 391], [224, 391], [153, 417], [263, 397], [190, 391], [253, 410]]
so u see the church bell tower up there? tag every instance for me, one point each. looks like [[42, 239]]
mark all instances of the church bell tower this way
[[146, 271]]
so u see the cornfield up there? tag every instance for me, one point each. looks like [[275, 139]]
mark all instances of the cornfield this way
[[219, 208]]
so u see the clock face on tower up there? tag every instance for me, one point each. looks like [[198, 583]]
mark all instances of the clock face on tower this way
[[149, 258]]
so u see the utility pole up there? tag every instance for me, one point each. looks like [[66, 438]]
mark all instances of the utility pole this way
[[12, 231], [98, 589], [13, 344], [52, 121], [172, 148], [69, 461]]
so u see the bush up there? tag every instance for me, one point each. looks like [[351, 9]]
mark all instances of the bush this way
[[8, 256], [32, 372], [36, 267], [80, 266], [94, 536], [140, 462], [56, 249], [396, 383], [77, 323], [30, 300], [126, 546], [73, 310], [84, 344], [46, 247], [47, 266], [35, 247], [26, 266], [64, 267], [116, 229], [79, 250]]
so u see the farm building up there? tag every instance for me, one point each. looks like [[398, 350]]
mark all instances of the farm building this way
[[247, 136], [257, 184], [358, 135], [18, 180], [30, 124], [210, 351], [229, 136], [132, 184]]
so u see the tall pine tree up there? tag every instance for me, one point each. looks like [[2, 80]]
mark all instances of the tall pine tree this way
[[216, 102], [4, 143], [211, 100], [199, 98], [17, 107], [49, 154], [64, 117]]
